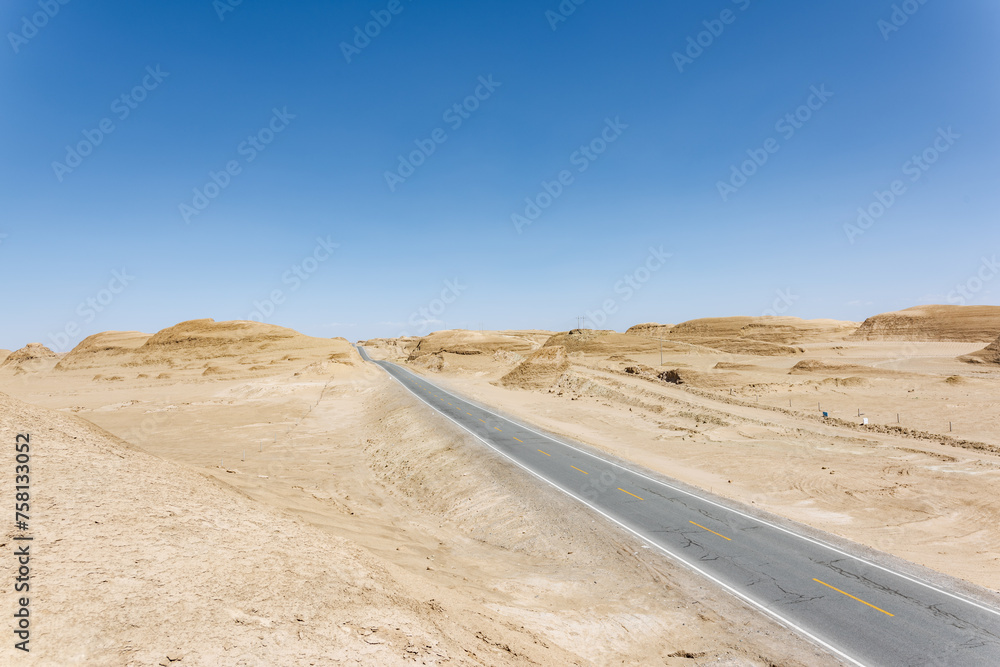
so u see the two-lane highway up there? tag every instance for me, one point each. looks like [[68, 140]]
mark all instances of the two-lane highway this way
[[866, 613]]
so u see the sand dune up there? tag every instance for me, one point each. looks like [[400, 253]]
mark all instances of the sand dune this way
[[179, 568], [198, 340], [539, 370], [758, 336], [32, 358], [357, 526], [988, 355], [934, 323], [209, 348], [754, 426], [394, 348], [711, 327], [468, 350], [649, 329], [782, 330], [598, 341], [315, 516], [111, 348], [795, 331], [458, 341]]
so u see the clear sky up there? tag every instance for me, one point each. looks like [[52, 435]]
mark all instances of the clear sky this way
[[169, 161]]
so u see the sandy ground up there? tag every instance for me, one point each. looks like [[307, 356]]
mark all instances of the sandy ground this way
[[283, 507], [750, 430]]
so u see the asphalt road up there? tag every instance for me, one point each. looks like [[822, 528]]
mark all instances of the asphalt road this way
[[865, 613]]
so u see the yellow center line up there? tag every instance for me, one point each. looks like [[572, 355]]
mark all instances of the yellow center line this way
[[497, 428], [852, 597], [583, 471], [469, 413], [519, 440], [483, 420], [710, 530], [631, 494], [546, 453]]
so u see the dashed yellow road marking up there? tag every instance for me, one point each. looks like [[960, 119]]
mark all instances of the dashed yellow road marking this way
[[483, 420], [546, 453], [497, 428], [631, 494], [519, 440], [852, 597], [470, 414], [583, 471], [710, 530]]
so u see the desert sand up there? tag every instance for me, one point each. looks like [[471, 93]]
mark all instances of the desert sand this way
[[231, 493], [736, 407], [988, 355]]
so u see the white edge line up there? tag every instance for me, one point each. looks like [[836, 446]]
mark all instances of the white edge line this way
[[642, 537], [728, 509]]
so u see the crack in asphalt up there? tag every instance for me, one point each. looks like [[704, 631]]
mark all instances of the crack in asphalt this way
[[947, 616]]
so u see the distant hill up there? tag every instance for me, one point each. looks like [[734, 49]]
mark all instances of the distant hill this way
[[959, 324], [210, 347], [33, 357], [761, 336], [461, 341]]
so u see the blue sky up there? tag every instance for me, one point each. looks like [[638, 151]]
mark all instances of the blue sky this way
[[208, 85]]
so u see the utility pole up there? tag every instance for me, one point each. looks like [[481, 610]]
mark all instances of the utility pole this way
[[579, 321]]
